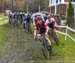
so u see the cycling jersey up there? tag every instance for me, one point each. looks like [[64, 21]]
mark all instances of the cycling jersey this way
[[41, 27], [28, 18], [50, 22], [16, 15]]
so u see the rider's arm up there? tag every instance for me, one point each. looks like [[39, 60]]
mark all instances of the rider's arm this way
[[54, 21], [35, 30], [46, 22], [47, 28], [55, 24]]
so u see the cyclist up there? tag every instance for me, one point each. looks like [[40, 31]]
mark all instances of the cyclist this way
[[51, 25], [24, 22], [28, 18], [16, 22], [40, 28]]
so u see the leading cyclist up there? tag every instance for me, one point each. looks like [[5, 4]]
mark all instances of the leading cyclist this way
[[40, 28]]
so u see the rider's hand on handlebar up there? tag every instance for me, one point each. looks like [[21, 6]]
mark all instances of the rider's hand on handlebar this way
[[46, 33]]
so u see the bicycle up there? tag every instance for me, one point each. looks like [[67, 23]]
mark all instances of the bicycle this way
[[45, 50], [16, 22], [53, 34], [27, 27]]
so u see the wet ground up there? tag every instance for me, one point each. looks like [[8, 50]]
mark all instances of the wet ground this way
[[20, 47]]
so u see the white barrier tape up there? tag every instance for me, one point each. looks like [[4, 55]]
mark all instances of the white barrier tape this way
[[61, 33], [61, 26], [71, 37], [66, 27], [66, 35], [71, 29]]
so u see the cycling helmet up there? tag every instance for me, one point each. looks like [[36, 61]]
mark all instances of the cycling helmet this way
[[38, 18], [48, 16]]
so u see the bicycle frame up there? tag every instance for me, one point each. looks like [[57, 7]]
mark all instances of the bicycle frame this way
[[45, 47], [53, 34]]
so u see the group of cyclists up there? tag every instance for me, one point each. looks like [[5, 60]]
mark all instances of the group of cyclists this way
[[41, 26], [16, 18]]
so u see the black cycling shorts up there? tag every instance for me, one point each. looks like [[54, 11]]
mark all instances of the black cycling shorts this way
[[51, 25], [42, 30]]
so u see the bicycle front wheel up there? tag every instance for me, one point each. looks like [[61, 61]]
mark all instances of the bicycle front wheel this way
[[45, 49]]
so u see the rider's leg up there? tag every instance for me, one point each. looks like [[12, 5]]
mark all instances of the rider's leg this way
[[47, 29], [35, 34], [48, 40], [29, 26], [49, 44], [23, 25], [55, 37], [46, 35]]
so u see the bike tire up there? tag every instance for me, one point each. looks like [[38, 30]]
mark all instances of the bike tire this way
[[46, 53], [54, 36]]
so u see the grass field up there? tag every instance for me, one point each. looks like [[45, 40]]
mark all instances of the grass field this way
[[2, 32], [64, 53], [1, 14], [2, 36]]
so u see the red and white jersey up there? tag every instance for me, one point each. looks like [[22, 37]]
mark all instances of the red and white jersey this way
[[38, 26], [49, 21]]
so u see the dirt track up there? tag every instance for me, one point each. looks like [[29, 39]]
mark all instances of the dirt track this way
[[20, 47]]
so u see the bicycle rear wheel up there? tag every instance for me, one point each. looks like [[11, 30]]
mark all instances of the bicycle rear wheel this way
[[54, 36], [26, 27], [29, 28]]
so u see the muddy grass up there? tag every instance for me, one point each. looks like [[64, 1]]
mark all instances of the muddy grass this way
[[20, 47]]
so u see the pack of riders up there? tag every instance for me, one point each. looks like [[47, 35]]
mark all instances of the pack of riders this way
[[41, 26]]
